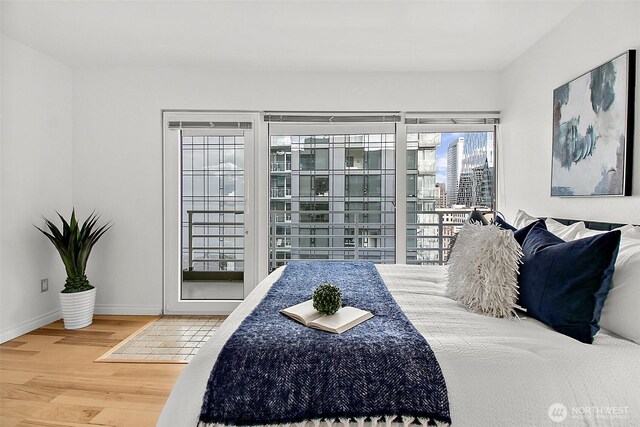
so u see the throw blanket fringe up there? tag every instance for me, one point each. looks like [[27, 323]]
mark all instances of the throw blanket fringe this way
[[391, 421]]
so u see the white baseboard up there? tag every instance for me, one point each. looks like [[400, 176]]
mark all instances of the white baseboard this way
[[123, 310], [30, 325], [54, 315]]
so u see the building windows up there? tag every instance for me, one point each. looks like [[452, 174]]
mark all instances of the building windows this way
[[280, 186], [313, 212], [363, 186], [314, 185], [315, 159], [332, 179], [359, 158], [336, 179]]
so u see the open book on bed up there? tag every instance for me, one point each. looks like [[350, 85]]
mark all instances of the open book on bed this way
[[344, 319]]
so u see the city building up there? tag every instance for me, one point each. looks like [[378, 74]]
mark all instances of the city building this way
[[455, 153], [476, 176], [332, 197], [442, 195]]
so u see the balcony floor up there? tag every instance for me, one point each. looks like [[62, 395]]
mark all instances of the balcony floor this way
[[201, 290]]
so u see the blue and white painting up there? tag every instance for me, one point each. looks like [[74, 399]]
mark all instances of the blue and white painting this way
[[590, 130]]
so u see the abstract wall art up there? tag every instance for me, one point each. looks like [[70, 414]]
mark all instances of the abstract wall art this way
[[593, 131]]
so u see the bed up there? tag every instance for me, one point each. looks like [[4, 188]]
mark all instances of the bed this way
[[498, 372]]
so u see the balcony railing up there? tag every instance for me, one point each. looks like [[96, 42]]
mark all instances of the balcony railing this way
[[358, 235], [280, 193], [331, 235], [215, 248], [433, 232], [216, 238], [281, 166]]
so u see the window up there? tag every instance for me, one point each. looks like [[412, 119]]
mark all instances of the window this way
[[314, 185], [449, 173], [363, 185], [314, 159], [338, 175], [341, 181], [332, 189]]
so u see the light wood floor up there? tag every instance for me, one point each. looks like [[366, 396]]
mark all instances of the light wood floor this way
[[49, 378]]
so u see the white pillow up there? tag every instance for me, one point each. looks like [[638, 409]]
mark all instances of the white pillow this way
[[483, 270], [565, 232], [634, 233], [523, 219], [621, 311], [625, 229]]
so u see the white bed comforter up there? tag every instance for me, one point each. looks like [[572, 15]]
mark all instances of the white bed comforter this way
[[498, 372]]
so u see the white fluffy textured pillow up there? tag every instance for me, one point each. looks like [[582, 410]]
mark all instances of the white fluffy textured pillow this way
[[523, 219], [483, 270], [620, 313], [565, 232]]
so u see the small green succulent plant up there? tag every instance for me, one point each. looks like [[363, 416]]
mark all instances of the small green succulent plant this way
[[327, 298]]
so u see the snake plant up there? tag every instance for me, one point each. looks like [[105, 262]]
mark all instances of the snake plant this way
[[74, 244]]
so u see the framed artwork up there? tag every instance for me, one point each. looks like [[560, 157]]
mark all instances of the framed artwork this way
[[593, 131]]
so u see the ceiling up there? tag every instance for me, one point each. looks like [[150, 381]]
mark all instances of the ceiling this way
[[285, 35]]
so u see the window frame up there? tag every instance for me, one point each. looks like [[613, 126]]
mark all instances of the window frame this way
[[401, 207], [258, 198]]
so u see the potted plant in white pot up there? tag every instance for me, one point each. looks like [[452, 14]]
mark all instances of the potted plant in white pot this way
[[74, 244]]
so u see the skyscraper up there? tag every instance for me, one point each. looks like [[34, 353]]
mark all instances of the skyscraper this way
[[332, 197], [476, 173], [455, 153]]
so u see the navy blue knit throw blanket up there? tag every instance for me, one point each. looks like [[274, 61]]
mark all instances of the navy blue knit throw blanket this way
[[273, 370]]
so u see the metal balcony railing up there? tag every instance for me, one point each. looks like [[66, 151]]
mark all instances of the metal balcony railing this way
[[215, 248], [216, 238], [357, 235], [331, 235], [279, 193], [429, 233], [281, 166]]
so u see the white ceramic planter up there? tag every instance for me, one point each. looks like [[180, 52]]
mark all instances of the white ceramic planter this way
[[77, 308]]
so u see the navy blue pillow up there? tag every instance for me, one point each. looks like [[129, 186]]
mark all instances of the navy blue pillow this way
[[519, 234], [503, 224], [565, 284]]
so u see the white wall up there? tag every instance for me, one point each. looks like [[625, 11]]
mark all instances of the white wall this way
[[35, 180], [594, 33], [118, 145]]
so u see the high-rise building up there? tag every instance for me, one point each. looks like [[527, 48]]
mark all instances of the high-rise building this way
[[423, 196], [442, 195], [454, 168], [475, 180], [332, 197]]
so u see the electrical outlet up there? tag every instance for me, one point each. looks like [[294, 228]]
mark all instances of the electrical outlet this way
[[44, 285]]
